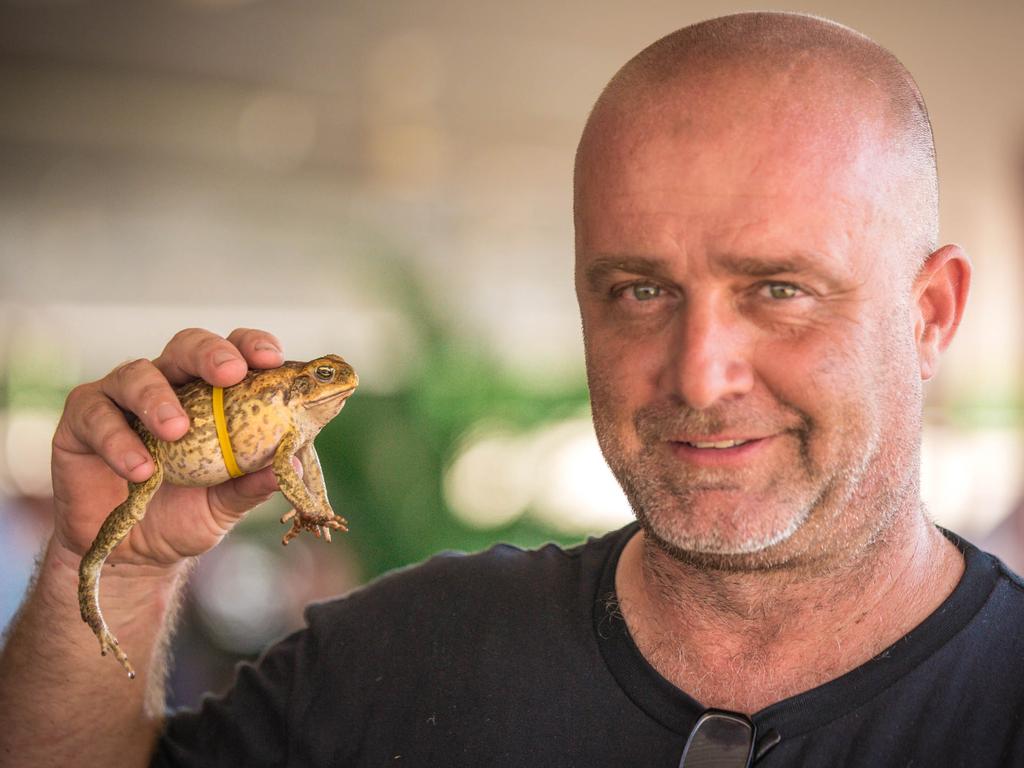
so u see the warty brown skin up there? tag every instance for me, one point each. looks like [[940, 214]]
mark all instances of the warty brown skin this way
[[272, 416]]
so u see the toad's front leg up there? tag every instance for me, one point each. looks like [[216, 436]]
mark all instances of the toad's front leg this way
[[313, 479], [312, 511]]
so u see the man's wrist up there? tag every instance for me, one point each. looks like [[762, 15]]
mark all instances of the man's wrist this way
[[126, 586]]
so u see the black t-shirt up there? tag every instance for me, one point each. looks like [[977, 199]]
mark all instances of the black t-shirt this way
[[518, 658]]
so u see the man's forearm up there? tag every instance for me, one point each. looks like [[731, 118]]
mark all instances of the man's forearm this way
[[60, 700]]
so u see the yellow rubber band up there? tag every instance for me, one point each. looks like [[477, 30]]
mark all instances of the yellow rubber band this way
[[222, 433]]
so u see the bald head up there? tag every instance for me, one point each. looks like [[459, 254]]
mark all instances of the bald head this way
[[792, 70]]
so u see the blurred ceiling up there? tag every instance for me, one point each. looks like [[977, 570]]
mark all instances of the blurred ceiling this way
[[223, 153]]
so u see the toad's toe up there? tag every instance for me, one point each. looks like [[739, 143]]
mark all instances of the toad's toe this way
[[109, 643]]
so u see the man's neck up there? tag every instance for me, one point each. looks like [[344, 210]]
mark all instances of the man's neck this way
[[744, 640]]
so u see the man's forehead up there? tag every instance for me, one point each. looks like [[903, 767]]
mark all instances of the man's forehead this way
[[756, 121], [746, 173], [741, 236], [736, 108], [737, 142], [742, 189]]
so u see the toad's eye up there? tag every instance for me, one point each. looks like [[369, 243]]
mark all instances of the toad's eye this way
[[782, 290], [644, 291], [324, 373]]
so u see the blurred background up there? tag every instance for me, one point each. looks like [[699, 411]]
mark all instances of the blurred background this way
[[391, 181]]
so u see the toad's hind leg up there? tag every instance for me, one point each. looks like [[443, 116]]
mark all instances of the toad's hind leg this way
[[111, 533]]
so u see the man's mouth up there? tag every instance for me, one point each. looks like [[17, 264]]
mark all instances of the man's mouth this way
[[723, 452], [714, 444]]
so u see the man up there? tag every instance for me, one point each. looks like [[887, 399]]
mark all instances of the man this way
[[762, 297]]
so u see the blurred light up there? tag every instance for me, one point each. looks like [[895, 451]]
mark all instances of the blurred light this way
[[27, 434], [556, 473], [276, 131], [970, 479], [242, 594], [409, 156], [489, 483], [576, 491]]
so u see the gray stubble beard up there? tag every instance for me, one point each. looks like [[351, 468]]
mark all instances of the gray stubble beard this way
[[661, 506]]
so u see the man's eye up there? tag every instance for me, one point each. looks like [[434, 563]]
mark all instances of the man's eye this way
[[644, 291], [782, 291]]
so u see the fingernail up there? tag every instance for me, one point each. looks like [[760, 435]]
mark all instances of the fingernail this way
[[266, 346], [166, 412], [298, 466], [221, 358], [133, 459]]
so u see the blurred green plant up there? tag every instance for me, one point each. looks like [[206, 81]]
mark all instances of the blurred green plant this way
[[384, 458], [34, 377]]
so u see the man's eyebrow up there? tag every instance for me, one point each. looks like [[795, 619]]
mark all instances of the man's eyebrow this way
[[599, 269], [751, 266], [794, 263]]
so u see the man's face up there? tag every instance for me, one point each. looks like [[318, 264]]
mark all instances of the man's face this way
[[747, 323]]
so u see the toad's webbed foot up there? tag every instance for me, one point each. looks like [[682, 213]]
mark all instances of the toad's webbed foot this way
[[321, 524]]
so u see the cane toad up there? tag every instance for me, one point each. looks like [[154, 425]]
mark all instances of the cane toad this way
[[267, 418]]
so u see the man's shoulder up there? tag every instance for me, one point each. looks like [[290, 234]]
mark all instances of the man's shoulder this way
[[989, 602], [1013, 578], [1014, 581], [493, 581], [984, 567]]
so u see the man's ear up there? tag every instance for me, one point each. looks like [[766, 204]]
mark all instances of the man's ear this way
[[940, 294]]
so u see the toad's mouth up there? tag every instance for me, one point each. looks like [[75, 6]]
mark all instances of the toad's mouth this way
[[342, 395]]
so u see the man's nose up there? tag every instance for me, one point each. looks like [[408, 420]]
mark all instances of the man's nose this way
[[708, 359]]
